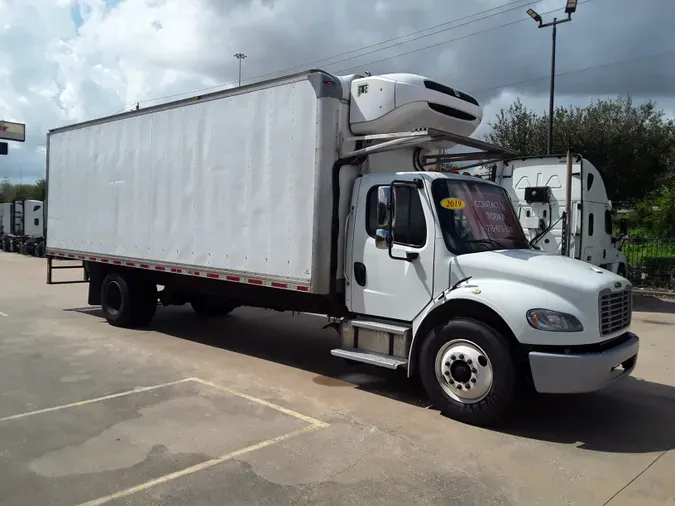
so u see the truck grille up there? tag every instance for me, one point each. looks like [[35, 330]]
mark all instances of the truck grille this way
[[615, 311]]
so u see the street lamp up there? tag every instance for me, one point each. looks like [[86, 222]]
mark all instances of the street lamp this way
[[240, 57], [570, 8]]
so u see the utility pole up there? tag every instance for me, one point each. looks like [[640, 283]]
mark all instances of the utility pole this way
[[570, 8], [240, 57]]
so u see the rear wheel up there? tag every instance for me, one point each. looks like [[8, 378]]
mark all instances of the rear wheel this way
[[128, 301], [468, 372], [115, 300]]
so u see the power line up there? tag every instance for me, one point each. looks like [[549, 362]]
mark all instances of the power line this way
[[306, 65], [449, 40], [434, 33], [575, 71], [309, 64], [514, 83]]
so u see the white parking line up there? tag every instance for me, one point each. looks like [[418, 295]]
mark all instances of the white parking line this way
[[97, 399], [314, 424], [199, 467], [286, 411]]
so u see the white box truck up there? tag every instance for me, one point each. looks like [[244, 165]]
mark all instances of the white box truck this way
[[307, 193]]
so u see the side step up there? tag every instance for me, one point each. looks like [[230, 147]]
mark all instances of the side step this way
[[370, 357], [398, 330]]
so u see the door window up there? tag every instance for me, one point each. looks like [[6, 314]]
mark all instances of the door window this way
[[410, 228], [590, 224]]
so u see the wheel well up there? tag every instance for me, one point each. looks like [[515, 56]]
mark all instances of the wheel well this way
[[455, 309]]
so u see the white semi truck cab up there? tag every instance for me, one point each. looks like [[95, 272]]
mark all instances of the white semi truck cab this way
[[537, 187], [22, 227], [329, 209]]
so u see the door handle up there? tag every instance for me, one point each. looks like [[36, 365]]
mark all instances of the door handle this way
[[360, 273]]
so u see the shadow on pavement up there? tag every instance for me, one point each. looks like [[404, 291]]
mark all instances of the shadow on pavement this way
[[633, 416], [295, 340], [650, 304]]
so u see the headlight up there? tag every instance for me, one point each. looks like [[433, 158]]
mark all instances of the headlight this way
[[553, 321]]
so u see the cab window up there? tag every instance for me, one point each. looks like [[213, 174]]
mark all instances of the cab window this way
[[410, 228]]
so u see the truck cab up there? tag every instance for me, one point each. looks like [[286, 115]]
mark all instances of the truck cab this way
[[437, 266], [440, 277], [537, 188]]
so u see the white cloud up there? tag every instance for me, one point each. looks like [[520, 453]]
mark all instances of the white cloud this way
[[63, 61]]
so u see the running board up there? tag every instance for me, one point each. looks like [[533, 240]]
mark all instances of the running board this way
[[370, 357], [398, 330]]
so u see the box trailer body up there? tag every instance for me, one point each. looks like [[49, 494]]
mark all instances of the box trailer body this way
[[537, 187], [309, 193], [184, 183]]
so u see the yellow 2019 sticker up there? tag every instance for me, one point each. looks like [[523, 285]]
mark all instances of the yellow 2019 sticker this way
[[452, 203]]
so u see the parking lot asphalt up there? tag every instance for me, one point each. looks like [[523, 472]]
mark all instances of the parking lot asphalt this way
[[252, 409]]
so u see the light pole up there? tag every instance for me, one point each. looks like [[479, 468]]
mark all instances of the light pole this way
[[240, 57], [570, 8]]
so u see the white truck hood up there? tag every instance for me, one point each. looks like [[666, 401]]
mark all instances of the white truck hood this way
[[538, 267], [512, 282]]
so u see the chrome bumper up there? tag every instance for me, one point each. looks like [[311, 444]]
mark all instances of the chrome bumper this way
[[584, 372]]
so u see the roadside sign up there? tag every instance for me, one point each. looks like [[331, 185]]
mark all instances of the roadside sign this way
[[12, 131], [3, 148]]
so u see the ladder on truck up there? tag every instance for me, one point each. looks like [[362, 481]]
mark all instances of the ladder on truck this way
[[80, 264]]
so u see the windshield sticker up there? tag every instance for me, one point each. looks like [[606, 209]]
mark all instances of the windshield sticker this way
[[452, 203], [495, 212]]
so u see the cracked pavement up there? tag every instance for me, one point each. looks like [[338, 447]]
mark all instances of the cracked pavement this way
[[377, 440]]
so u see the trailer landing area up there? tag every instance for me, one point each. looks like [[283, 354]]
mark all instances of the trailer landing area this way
[[252, 409]]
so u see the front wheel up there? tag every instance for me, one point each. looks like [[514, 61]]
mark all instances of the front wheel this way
[[468, 372]]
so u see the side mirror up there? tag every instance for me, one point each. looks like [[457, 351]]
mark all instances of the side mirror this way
[[386, 207], [382, 238], [623, 226]]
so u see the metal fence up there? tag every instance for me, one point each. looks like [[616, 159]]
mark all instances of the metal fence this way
[[651, 262]]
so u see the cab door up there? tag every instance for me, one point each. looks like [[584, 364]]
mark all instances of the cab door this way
[[380, 285]]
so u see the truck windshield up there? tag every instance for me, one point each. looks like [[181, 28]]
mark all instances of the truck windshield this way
[[476, 216]]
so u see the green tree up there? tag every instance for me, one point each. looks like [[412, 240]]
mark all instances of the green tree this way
[[40, 190], [633, 145], [11, 193], [655, 214]]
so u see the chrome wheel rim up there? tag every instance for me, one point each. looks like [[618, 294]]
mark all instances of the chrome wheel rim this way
[[464, 371]]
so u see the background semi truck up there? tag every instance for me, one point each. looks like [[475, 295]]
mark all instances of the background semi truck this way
[[308, 193], [538, 187], [22, 227]]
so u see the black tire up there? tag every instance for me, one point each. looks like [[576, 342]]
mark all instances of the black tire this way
[[207, 307], [499, 397], [128, 301], [116, 300]]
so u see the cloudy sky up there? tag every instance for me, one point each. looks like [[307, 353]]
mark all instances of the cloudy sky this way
[[63, 61]]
